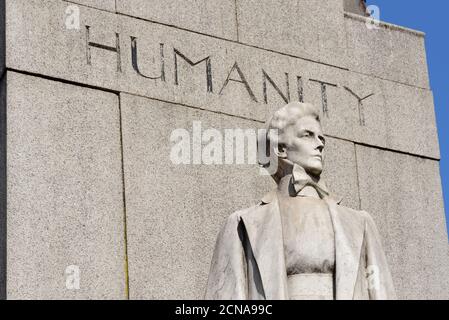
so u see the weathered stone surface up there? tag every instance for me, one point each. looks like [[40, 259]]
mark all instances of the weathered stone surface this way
[[403, 194], [410, 119], [3, 208], [340, 172], [2, 36], [45, 46], [64, 191], [389, 52], [311, 29], [64, 56], [64, 173], [108, 5], [213, 17], [172, 225], [174, 211], [356, 109]]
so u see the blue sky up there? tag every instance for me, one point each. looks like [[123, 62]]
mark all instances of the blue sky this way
[[432, 18]]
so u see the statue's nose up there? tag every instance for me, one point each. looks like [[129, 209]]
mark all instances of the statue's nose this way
[[320, 145]]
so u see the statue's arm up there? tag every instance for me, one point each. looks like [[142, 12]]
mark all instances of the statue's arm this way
[[380, 283], [228, 272]]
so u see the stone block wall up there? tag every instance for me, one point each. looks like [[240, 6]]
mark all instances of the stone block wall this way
[[93, 89]]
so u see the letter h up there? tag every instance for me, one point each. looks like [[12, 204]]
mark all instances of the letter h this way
[[116, 49]]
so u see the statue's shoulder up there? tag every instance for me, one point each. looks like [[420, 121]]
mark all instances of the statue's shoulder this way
[[361, 214], [233, 221], [236, 216], [266, 199]]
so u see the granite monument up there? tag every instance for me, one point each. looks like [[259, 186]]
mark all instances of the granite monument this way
[[91, 205], [298, 242]]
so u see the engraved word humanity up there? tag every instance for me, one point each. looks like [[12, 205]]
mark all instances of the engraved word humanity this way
[[291, 87]]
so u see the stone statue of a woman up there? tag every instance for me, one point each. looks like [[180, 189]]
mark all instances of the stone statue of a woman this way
[[298, 242]]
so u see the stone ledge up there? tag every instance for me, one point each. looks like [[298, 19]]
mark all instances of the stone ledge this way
[[386, 25]]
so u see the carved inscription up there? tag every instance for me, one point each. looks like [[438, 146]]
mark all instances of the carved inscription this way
[[235, 74]]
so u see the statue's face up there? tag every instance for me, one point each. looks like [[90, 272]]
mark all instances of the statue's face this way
[[306, 145]]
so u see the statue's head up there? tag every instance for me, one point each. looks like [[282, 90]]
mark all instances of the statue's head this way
[[299, 139]]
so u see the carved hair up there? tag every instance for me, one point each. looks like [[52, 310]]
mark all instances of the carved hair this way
[[280, 121]]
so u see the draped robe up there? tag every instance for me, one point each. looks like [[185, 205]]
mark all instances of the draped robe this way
[[249, 264]]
